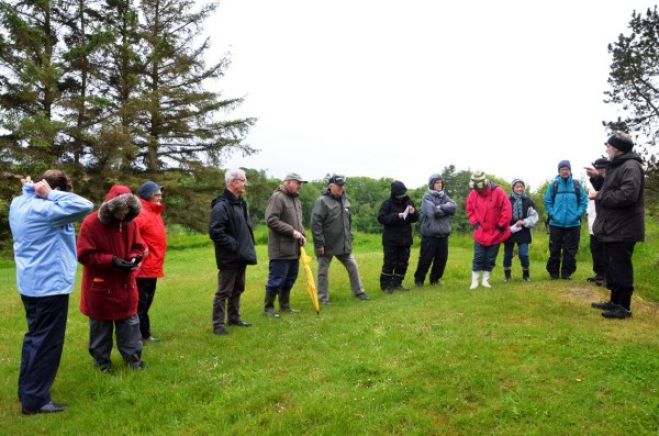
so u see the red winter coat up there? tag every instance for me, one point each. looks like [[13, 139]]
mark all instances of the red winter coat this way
[[491, 209], [109, 293], [152, 229]]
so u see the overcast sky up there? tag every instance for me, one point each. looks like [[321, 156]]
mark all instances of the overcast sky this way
[[397, 89]]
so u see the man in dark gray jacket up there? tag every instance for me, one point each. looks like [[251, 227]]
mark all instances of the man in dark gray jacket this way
[[620, 221], [331, 223], [285, 237]]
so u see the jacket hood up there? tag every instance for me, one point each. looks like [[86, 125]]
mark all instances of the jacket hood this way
[[618, 160], [398, 189], [119, 197]]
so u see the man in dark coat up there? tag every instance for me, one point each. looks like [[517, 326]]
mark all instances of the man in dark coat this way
[[111, 249], [230, 228], [397, 214], [620, 221]]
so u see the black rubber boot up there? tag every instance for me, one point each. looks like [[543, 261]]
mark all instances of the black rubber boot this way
[[269, 309], [285, 302], [507, 274], [526, 275], [387, 283]]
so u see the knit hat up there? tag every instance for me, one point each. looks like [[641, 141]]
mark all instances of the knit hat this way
[[478, 180], [564, 164], [433, 179], [516, 181], [601, 163], [147, 190], [398, 189], [623, 144]]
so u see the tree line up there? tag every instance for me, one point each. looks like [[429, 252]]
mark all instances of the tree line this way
[[116, 91]]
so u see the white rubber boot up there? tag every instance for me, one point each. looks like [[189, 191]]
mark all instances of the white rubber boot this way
[[486, 279], [474, 279]]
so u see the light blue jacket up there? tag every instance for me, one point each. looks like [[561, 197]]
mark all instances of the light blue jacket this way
[[44, 240], [565, 210]]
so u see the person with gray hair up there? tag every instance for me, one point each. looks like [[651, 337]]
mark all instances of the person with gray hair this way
[[230, 228], [620, 221], [331, 226]]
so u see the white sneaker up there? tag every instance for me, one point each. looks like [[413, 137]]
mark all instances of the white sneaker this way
[[486, 279], [474, 279]]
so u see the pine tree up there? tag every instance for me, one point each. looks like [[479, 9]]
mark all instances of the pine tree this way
[[31, 82], [181, 126], [634, 86]]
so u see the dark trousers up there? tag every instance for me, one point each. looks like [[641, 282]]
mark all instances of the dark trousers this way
[[597, 252], [394, 265], [281, 278], [231, 284], [485, 257], [563, 241], [282, 275], [42, 348], [147, 290], [433, 251], [619, 271], [129, 342]]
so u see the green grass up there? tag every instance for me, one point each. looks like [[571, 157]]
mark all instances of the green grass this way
[[521, 358]]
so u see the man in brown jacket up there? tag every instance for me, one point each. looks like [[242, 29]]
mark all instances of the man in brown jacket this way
[[285, 237]]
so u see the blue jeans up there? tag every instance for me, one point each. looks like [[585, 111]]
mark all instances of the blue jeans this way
[[522, 252], [282, 275], [484, 257]]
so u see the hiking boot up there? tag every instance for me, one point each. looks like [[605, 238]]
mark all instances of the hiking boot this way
[[220, 331], [603, 305], [526, 276], [617, 312], [418, 284], [362, 297], [270, 313], [508, 275]]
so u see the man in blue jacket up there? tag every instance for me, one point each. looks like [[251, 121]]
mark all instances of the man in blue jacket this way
[[565, 204], [45, 256]]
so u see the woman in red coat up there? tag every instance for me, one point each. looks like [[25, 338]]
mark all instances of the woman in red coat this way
[[152, 229], [110, 248], [489, 213]]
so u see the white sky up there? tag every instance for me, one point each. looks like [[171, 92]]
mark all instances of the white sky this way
[[397, 89]]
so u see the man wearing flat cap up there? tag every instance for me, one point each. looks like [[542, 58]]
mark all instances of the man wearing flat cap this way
[[620, 221], [331, 225], [285, 237]]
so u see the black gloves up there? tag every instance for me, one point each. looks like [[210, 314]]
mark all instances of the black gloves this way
[[500, 229], [136, 260], [120, 263], [476, 226]]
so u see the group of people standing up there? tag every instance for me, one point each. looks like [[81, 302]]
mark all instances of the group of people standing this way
[[122, 248]]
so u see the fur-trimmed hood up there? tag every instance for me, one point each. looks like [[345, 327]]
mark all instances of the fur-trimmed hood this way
[[119, 197]]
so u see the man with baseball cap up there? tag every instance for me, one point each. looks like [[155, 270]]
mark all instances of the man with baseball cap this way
[[331, 226], [285, 237], [620, 221], [596, 247]]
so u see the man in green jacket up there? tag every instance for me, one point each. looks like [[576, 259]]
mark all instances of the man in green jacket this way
[[285, 237], [331, 223]]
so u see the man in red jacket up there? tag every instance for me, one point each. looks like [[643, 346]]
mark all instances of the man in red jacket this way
[[489, 213], [152, 230], [111, 249]]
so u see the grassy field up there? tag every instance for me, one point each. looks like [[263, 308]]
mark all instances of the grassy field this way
[[521, 358]]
